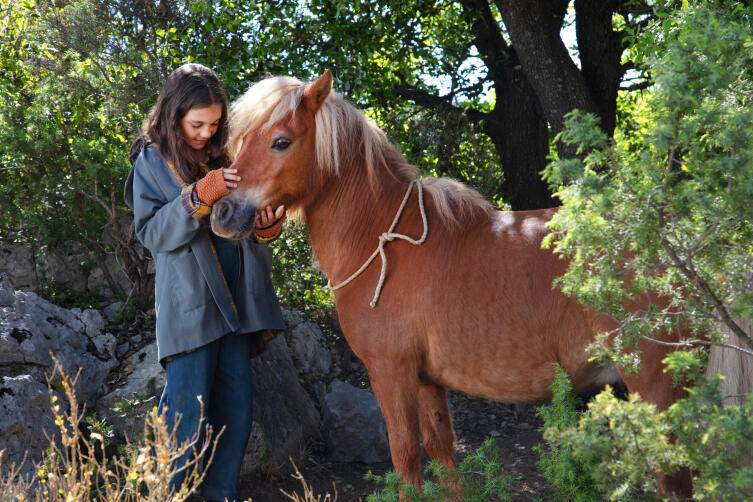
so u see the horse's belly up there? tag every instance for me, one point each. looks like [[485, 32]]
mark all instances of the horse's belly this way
[[506, 367]]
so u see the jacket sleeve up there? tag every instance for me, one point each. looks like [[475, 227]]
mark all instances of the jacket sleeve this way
[[161, 225]]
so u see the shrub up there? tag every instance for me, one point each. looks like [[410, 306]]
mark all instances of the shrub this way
[[664, 209], [76, 467], [481, 477], [569, 473]]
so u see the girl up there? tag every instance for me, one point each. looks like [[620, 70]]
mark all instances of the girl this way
[[214, 298]]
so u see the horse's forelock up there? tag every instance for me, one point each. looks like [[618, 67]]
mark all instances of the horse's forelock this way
[[266, 102], [271, 100]]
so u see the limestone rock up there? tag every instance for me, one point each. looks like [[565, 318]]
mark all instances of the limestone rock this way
[[18, 262], [7, 291], [32, 328], [25, 417], [141, 392]]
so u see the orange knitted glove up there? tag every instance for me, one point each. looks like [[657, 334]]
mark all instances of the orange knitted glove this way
[[271, 232], [211, 187]]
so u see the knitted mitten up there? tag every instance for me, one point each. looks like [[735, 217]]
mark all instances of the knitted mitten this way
[[271, 232], [211, 187]]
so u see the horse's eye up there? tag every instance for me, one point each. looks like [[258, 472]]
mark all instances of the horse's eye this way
[[281, 144]]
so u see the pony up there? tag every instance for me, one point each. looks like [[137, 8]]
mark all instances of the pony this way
[[434, 289]]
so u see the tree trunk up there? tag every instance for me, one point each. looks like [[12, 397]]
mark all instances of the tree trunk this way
[[556, 80], [517, 126], [600, 50], [521, 137]]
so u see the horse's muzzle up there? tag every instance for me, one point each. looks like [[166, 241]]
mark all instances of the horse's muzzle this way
[[233, 219]]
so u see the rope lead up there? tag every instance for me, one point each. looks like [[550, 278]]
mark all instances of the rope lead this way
[[390, 236]]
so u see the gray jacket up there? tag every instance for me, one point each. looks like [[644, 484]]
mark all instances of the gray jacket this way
[[192, 302]]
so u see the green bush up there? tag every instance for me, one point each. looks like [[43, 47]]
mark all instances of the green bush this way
[[664, 209], [569, 473], [619, 449], [298, 281], [481, 477]]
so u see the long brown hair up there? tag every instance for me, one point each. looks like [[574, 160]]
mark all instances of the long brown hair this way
[[189, 86]]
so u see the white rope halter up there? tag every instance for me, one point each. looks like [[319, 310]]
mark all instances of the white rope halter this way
[[390, 236]]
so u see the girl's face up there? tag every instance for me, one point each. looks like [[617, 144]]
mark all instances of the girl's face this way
[[200, 124]]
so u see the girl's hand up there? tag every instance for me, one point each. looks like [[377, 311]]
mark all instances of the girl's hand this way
[[267, 217], [230, 177]]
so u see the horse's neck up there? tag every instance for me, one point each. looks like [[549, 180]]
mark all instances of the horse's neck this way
[[346, 221]]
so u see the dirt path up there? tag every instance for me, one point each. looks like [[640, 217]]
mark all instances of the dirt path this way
[[515, 431]]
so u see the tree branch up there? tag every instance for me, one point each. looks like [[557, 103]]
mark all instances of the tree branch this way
[[96, 198], [692, 343], [426, 99], [638, 86], [462, 90], [487, 35], [741, 93]]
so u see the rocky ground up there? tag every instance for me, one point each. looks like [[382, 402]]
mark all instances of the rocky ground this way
[[513, 428]]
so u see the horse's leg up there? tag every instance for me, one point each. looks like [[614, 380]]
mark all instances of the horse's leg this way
[[396, 390], [436, 430], [436, 424]]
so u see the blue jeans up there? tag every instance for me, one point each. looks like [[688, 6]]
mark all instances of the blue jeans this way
[[220, 372]]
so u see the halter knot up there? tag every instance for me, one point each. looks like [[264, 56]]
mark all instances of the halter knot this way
[[390, 236]]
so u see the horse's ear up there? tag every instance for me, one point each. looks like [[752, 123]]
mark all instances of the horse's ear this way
[[268, 75], [316, 93]]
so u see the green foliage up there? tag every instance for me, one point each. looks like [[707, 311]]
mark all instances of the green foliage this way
[[66, 298], [296, 278], [99, 429], [445, 144], [717, 441], [127, 406], [126, 314], [624, 445], [666, 207], [480, 477], [619, 449], [569, 473]]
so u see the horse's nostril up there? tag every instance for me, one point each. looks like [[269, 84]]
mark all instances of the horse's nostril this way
[[224, 212]]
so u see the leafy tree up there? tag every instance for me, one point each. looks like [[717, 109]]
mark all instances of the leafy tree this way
[[665, 207], [499, 67], [674, 192]]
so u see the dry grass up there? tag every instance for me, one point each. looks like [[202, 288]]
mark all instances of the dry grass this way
[[77, 468], [308, 492]]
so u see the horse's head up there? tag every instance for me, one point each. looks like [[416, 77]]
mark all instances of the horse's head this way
[[273, 143]]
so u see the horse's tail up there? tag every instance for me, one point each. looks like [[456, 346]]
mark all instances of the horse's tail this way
[[736, 366]]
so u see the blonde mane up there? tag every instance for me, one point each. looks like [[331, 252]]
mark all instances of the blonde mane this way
[[344, 134]]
